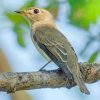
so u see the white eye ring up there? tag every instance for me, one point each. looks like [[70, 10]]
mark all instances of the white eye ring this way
[[36, 11]]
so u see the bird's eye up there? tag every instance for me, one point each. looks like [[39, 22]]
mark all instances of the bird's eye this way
[[36, 11]]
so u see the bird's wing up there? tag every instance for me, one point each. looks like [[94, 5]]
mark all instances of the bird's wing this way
[[52, 43], [56, 48], [53, 46]]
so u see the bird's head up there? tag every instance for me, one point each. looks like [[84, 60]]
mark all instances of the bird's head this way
[[35, 14]]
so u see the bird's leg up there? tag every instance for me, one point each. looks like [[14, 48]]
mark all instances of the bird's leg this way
[[44, 66]]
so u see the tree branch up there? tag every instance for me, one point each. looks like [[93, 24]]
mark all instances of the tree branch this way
[[11, 82]]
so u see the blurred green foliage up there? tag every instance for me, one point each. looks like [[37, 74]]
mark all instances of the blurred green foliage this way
[[93, 56], [84, 12]]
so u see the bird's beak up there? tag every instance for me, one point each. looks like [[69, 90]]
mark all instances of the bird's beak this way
[[22, 12]]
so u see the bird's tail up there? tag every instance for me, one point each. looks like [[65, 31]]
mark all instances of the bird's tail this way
[[80, 82]]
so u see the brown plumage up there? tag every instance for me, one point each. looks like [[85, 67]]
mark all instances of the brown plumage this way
[[53, 44]]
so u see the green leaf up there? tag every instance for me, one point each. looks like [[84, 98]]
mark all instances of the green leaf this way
[[19, 31], [16, 19], [21, 40], [93, 56], [84, 12]]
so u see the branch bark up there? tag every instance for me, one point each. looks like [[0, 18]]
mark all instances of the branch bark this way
[[11, 82]]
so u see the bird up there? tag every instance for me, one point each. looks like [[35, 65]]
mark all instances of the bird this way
[[53, 45]]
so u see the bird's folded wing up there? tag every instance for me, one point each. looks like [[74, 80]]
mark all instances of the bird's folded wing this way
[[57, 49], [54, 47]]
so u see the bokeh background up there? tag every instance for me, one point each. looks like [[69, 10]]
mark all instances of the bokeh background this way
[[78, 20]]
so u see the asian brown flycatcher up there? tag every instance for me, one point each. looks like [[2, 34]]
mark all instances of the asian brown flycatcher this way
[[53, 45]]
